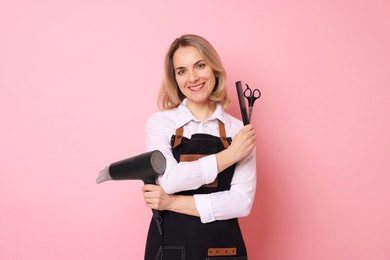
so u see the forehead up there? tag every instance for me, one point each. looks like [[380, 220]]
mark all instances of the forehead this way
[[186, 56]]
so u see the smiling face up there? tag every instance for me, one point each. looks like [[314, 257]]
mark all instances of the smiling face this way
[[195, 78]]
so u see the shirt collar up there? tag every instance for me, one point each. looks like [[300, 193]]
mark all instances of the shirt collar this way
[[185, 115]]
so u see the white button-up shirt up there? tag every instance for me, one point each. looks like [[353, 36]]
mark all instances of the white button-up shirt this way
[[233, 203]]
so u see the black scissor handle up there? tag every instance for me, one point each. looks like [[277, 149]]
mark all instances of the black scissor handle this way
[[246, 94], [253, 94], [256, 93]]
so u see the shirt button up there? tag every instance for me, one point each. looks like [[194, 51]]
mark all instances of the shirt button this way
[[204, 124]]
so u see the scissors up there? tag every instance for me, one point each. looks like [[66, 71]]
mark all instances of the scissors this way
[[251, 96]]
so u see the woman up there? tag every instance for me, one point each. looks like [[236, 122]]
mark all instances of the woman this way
[[210, 178]]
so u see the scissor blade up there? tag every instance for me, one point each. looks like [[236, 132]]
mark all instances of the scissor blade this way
[[250, 113]]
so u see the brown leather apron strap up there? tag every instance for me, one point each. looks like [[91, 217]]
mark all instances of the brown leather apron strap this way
[[222, 134], [178, 136]]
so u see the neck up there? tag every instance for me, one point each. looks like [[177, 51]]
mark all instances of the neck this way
[[201, 111]]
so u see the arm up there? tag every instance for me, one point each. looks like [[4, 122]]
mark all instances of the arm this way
[[238, 201], [159, 129], [157, 198], [234, 203], [243, 143]]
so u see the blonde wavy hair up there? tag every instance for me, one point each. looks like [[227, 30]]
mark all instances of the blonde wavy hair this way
[[170, 95]]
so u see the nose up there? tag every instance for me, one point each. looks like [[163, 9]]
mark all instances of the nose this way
[[193, 76]]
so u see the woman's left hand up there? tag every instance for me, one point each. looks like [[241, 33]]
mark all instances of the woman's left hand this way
[[156, 198]]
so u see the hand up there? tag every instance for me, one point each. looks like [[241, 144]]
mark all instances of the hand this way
[[156, 198], [243, 142]]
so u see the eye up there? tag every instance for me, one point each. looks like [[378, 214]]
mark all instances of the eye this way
[[180, 71], [201, 65]]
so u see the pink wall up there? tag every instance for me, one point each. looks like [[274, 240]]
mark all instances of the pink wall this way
[[78, 79]]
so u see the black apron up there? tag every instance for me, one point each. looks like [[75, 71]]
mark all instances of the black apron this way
[[186, 237]]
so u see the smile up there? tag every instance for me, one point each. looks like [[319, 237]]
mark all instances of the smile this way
[[197, 87]]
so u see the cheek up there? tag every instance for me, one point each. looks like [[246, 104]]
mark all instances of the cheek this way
[[212, 81], [181, 81], [209, 74], [180, 84]]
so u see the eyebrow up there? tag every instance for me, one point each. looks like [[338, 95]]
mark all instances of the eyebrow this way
[[196, 63]]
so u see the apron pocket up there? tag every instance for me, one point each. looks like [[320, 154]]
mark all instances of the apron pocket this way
[[171, 253]]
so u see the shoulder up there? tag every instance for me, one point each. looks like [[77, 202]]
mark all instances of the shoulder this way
[[163, 119], [232, 124]]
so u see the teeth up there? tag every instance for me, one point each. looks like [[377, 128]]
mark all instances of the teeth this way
[[196, 87]]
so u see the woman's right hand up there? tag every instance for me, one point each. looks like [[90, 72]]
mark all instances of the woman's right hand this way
[[243, 143]]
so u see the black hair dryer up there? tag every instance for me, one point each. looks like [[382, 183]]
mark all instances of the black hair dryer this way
[[146, 167]]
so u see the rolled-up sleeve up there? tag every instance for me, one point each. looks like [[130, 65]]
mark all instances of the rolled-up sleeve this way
[[197, 173], [233, 203]]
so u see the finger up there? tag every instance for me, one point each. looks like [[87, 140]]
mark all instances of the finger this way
[[148, 195], [253, 133], [150, 205], [248, 127], [149, 187], [151, 194], [149, 200]]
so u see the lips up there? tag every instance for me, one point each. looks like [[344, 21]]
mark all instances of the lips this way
[[196, 87]]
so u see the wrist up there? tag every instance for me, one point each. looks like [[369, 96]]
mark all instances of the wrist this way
[[184, 204], [172, 202], [225, 159]]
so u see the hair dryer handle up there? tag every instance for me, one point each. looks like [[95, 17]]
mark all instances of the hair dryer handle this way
[[156, 213], [158, 219]]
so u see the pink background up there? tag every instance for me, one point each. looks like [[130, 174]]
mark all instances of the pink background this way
[[78, 78]]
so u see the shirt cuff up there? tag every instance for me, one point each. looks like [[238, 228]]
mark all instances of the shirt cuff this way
[[209, 168], [203, 205]]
